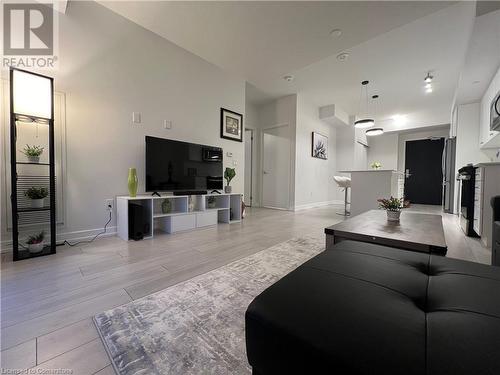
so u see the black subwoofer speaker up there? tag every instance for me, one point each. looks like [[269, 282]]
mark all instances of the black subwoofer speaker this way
[[138, 223]]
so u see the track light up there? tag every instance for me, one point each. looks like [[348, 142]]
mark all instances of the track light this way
[[428, 78]]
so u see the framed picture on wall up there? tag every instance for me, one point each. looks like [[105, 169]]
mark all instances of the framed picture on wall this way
[[319, 146], [231, 125]]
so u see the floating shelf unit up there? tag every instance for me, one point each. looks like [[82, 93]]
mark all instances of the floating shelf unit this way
[[187, 212], [39, 175]]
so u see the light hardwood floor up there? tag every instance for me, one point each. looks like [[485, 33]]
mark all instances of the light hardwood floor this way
[[47, 303]]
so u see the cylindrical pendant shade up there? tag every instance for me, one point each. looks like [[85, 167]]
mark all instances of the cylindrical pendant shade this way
[[32, 95], [364, 123]]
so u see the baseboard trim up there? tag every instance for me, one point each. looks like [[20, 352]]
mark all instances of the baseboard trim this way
[[318, 204], [81, 235]]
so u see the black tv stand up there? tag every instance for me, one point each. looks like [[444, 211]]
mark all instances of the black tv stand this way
[[190, 192], [155, 193]]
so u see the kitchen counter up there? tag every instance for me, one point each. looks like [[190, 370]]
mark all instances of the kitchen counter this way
[[487, 164], [369, 185]]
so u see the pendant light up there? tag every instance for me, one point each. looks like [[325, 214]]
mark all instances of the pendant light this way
[[366, 122], [374, 131]]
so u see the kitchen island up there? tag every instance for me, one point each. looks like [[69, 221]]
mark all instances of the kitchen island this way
[[369, 185]]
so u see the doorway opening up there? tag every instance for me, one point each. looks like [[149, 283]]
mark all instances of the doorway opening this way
[[276, 154], [248, 192], [424, 171]]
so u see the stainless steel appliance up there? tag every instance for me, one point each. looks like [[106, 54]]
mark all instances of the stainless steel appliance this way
[[468, 179], [448, 166], [495, 113]]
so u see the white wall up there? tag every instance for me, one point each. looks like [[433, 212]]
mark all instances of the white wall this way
[[487, 137], [110, 67], [314, 184], [384, 149]]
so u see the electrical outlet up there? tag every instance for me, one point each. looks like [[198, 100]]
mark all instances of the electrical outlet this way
[[109, 204]]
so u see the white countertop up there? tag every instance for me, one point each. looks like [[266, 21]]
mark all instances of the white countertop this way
[[372, 170], [488, 164]]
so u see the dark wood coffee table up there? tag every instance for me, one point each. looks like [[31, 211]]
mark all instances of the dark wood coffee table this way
[[415, 231]]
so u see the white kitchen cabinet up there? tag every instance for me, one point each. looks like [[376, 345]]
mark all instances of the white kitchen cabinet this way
[[487, 186], [489, 138]]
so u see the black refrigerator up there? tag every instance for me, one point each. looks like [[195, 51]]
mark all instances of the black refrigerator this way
[[448, 165]]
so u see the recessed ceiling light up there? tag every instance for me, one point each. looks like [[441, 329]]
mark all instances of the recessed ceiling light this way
[[374, 132], [288, 78], [342, 56], [428, 78], [336, 33]]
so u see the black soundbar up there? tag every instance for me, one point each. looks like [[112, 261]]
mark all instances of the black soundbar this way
[[190, 192]]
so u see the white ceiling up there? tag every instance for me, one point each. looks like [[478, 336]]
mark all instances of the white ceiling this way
[[482, 60], [392, 44]]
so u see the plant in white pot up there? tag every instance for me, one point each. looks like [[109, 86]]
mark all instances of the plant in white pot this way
[[393, 207], [37, 196], [33, 153], [35, 243], [229, 174]]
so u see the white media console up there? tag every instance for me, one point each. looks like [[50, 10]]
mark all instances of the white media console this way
[[225, 209]]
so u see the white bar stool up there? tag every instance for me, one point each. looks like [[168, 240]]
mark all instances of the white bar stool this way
[[344, 183]]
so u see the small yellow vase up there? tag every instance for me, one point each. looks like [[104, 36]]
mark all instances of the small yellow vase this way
[[132, 182]]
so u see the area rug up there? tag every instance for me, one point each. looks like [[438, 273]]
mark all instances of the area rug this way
[[197, 326]]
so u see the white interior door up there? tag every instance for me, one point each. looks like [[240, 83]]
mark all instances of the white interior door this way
[[276, 168], [247, 196]]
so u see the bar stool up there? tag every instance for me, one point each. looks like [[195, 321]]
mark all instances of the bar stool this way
[[344, 183]]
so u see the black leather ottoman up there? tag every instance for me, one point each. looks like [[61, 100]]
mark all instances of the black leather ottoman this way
[[361, 308]]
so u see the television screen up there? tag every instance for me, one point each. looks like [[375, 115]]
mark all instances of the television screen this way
[[175, 165]]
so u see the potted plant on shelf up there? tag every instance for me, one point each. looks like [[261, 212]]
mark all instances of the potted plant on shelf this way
[[35, 243], [37, 196], [376, 165], [229, 174], [33, 153], [393, 207]]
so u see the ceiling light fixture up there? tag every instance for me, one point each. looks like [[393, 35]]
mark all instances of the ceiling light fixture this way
[[374, 131], [365, 122], [336, 33], [288, 78], [428, 90], [342, 56], [428, 78], [399, 119]]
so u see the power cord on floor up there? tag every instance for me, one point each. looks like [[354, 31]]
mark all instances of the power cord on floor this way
[[91, 240]]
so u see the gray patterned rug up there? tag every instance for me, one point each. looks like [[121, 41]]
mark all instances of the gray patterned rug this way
[[197, 326]]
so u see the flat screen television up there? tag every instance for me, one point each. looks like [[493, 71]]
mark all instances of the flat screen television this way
[[182, 166]]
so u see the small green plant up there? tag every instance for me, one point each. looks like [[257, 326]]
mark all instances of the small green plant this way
[[393, 204], [376, 165], [37, 238], [36, 193], [32, 151], [229, 174]]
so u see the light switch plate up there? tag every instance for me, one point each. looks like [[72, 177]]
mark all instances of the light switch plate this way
[[229, 154], [136, 117], [167, 124]]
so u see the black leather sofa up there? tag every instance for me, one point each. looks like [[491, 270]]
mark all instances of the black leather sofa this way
[[361, 308]]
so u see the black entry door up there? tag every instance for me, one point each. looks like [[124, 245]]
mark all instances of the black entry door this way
[[423, 161]]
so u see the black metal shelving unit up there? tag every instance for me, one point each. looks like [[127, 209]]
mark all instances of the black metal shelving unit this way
[[22, 214]]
